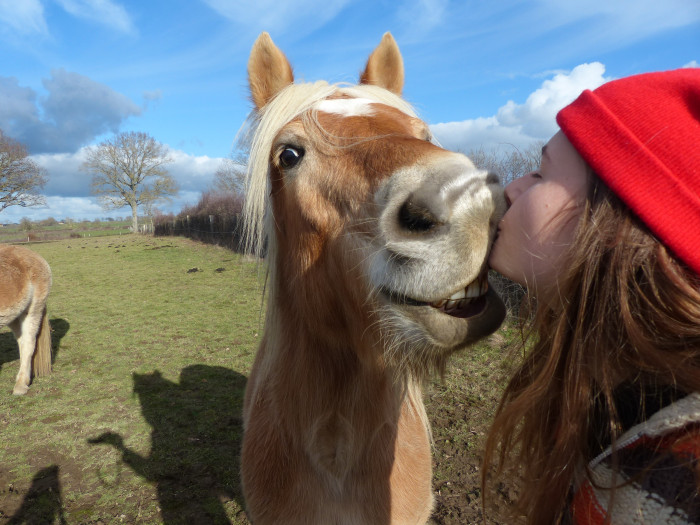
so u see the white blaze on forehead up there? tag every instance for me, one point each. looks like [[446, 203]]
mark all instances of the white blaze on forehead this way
[[347, 107]]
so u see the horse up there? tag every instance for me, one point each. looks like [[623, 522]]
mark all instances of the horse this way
[[25, 282], [376, 242]]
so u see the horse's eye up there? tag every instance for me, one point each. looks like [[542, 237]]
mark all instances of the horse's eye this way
[[290, 157]]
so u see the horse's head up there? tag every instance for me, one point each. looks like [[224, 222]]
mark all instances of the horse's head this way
[[367, 219]]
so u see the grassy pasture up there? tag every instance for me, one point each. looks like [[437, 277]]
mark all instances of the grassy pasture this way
[[42, 232], [140, 420]]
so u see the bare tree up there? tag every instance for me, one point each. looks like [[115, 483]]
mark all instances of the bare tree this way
[[20, 176], [511, 162], [230, 176], [129, 171], [26, 224]]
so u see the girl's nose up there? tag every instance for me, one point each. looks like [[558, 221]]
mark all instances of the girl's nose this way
[[507, 196], [513, 190]]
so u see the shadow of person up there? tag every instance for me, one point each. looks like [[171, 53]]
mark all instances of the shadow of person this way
[[43, 502], [195, 441], [9, 351]]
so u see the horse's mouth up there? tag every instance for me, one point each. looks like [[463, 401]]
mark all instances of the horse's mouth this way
[[465, 302]]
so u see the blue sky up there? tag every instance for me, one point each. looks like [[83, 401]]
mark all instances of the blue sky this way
[[482, 74]]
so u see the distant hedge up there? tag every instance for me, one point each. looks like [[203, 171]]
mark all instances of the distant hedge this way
[[215, 219]]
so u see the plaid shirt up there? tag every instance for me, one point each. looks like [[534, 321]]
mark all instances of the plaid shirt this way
[[656, 474]]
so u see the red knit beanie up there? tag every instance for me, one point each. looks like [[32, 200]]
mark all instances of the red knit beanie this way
[[641, 136]]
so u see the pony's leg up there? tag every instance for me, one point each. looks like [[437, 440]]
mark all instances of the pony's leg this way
[[24, 328]]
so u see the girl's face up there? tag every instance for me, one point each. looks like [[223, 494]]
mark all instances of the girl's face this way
[[543, 210]]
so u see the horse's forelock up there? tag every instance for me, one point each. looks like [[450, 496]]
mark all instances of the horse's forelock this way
[[284, 107], [288, 104]]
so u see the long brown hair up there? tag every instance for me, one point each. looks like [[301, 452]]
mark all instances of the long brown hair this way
[[626, 312]]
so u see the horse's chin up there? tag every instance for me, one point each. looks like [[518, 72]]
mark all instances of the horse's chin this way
[[432, 333]]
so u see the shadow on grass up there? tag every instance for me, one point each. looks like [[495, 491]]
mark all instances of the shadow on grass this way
[[43, 502], [195, 442], [59, 329], [9, 351]]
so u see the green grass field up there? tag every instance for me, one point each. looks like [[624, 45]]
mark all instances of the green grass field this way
[[140, 421], [42, 232]]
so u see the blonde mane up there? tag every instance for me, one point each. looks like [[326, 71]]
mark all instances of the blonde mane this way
[[288, 104]]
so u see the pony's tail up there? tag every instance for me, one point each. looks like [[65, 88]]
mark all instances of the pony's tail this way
[[41, 362]]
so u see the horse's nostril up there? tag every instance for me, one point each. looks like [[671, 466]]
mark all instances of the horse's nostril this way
[[416, 218]]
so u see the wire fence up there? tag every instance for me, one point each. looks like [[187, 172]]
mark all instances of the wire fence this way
[[222, 230]]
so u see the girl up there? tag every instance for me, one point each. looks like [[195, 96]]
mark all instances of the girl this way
[[603, 416]]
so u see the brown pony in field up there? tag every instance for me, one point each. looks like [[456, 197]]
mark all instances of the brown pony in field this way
[[25, 281], [376, 243]]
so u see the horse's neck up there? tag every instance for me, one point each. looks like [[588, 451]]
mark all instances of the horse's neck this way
[[342, 409], [320, 369], [327, 357], [329, 362]]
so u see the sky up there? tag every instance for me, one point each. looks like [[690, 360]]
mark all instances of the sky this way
[[74, 73]]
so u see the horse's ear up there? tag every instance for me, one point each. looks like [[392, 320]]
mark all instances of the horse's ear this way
[[268, 70], [385, 66]]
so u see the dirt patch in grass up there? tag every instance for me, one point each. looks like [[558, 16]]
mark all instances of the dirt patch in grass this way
[[40, 500], [457, 466], [460, 409]]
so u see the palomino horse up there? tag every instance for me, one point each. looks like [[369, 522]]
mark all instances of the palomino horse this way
[[376, 244], [25, 281]]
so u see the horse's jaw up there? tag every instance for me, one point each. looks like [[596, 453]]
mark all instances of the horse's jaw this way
[[429, 335]]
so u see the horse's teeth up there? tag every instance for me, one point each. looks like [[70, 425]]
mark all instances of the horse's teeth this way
[[458, 295], [473, 290], [463, 297]]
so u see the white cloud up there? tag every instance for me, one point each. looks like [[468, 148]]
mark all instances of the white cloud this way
[[540, 34], [419, 17], [536, 116], [26, 17], [587, 26], [298, 18], [104, 12], [60, 208], [692, 63], [478, 133], [23, 16], [193, 173], [628, 20], [68, 188], [65, 177], [521, 124]]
